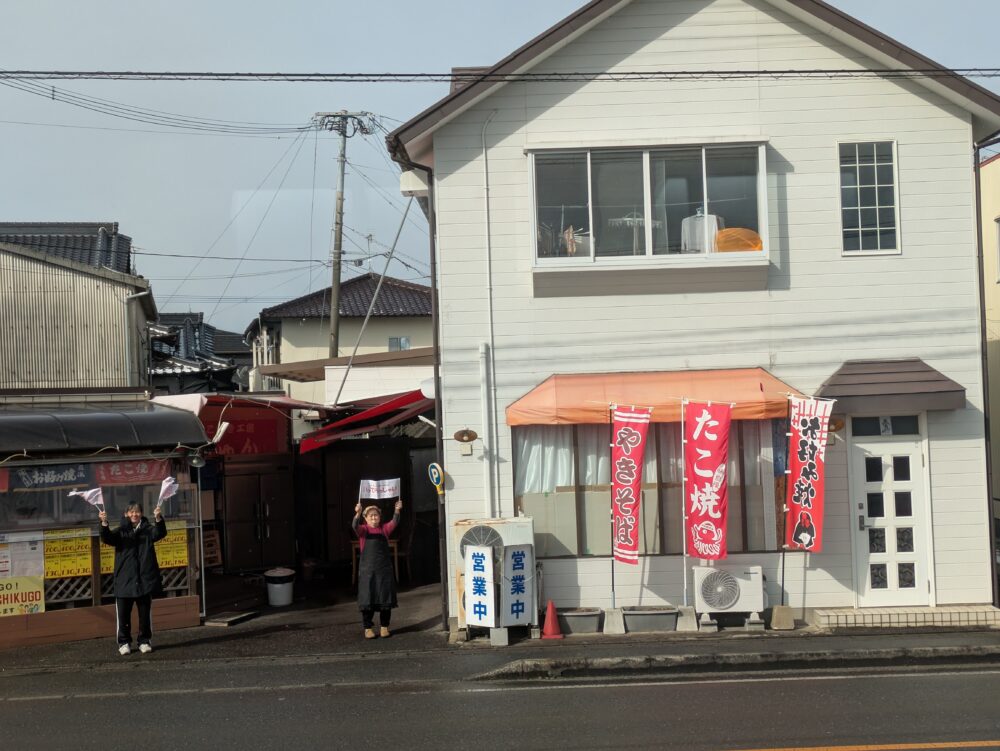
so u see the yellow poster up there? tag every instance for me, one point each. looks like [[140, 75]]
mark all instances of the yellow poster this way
[[107, 559], [172, 550], [20, 595], [67, 553]]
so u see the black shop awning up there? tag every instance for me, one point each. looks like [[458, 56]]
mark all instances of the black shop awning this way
[[90, 426], [886, 386]]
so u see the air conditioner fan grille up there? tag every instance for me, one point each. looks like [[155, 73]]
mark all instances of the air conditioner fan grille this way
[[720, 590]]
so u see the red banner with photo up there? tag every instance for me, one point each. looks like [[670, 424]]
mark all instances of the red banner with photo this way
[[628, 444], [134, 472], [706, 491], [810, 419]]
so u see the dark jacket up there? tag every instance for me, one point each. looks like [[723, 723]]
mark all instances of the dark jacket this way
[[137, 571]]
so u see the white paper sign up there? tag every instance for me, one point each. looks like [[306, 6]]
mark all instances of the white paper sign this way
[[517, 588], [379, 489], [480, 591]]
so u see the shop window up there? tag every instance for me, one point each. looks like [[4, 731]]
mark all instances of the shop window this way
[[562, 480], [639, 202]]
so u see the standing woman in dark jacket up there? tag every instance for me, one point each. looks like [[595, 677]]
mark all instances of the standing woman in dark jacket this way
[[137, 572], [376, 584]]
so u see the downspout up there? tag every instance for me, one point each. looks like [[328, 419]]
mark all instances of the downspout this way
[[490, 410], [984, 361], [484, 396], [128, 335], [400, 156]]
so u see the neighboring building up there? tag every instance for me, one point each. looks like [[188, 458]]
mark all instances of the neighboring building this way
[[66, 322], [707, 237], [299, 330], [191, 356], [97, 244], [989, 176]]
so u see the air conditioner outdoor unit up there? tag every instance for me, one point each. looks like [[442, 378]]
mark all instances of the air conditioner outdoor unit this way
[[494, 533], [735, 589]]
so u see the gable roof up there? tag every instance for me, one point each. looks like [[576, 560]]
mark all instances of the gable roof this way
[[409, 141], [396, 298], [230, 343], [97, 244]]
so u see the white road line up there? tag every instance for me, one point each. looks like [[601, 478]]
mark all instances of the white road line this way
[[449, 686]]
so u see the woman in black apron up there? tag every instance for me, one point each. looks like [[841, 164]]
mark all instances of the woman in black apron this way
[[376, 584]]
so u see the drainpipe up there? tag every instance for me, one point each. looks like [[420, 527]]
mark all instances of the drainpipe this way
[[128, 335], [984, 361], [492, 456], [484, 395]]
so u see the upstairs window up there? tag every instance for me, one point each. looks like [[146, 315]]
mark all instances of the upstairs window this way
[[650, 202], [868, 197], [399, 343]]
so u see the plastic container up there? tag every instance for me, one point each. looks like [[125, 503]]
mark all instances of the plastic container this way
[[279, 586], [650, 618], [580, 620]]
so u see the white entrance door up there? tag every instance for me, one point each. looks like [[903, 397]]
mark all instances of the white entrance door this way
[[890, 516]]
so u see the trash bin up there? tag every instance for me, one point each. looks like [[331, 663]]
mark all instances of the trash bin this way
[[279, 586]]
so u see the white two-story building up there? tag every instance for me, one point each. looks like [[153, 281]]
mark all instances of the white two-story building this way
[[638, 207]]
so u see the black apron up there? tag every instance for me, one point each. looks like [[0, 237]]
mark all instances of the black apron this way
[[376, 584]]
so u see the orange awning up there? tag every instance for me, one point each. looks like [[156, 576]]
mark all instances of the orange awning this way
[[584, 397]]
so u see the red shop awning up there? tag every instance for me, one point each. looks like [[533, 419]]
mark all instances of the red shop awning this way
[[396, 409]]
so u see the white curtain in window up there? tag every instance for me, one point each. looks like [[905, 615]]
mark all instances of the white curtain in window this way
[[543, 458]]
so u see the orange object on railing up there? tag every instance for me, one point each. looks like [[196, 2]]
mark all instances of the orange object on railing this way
[[737, 238]]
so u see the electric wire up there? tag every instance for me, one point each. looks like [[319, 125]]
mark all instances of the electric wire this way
[[274, 197], [499, 77]]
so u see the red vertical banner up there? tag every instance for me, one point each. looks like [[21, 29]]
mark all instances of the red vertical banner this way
[[810, 419], [706, 491], [628, 444]]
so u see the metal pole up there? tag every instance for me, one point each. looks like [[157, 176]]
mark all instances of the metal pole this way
[[684, 547], [338, 244], [611, 453]]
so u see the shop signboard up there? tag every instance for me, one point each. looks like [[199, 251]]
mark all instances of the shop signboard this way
[[136, 472], [22, 595], [480, 593], [517, 596], [50, 477], [67, 553]]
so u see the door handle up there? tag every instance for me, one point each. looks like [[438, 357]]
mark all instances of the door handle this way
[[267, 510], [267, 528], [861, 522]]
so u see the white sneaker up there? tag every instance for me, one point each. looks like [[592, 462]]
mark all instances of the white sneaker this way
[[145, 648], [124, 649]]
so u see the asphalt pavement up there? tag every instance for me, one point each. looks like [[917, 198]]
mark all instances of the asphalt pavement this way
[[326, 628]]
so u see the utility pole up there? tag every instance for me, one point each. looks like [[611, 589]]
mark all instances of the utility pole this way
[[346, 124]]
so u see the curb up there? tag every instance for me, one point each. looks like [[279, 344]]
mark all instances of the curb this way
[[582, 667]]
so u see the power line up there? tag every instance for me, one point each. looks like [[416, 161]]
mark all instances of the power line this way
[[467, 78]]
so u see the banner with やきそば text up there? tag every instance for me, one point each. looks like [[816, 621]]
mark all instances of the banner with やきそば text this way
[[628, 444], [706, 493]]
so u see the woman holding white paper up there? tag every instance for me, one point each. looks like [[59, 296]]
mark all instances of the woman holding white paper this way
[[376, 583]]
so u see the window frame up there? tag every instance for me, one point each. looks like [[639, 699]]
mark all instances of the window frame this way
[[399, 341], [898, 250], [648, 259]]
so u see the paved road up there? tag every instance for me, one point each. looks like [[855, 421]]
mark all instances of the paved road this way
[[420, 701]]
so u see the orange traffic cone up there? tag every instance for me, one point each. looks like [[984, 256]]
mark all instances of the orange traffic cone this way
[[551, 628]]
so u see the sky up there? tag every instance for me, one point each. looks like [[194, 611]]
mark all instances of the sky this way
[[228, 224]]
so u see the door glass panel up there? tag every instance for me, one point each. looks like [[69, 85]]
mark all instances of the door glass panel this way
[[907, 576], [904, 504], [873, 469], [876, 505], [906, 425], [879, 580], [904, 540], [876, 540], [901, 468]]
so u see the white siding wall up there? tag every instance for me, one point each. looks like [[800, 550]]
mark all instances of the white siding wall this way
[[816, 310]]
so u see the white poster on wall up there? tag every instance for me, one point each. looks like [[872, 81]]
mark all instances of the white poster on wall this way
[[480, 590]]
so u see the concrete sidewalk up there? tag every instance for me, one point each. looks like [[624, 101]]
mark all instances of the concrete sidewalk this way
[[327, 626]]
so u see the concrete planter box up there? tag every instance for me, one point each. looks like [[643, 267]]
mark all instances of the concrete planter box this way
[[580, 620], [650, 618]]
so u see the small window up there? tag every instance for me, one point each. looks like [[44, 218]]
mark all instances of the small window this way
[[868, 197], [897, 425], [399, 343]]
